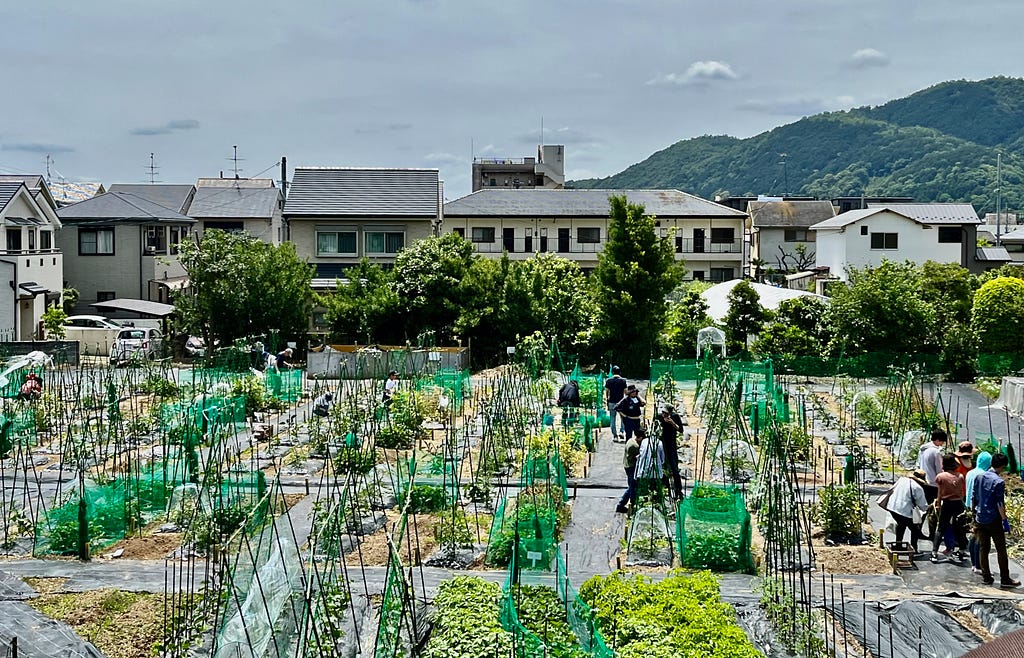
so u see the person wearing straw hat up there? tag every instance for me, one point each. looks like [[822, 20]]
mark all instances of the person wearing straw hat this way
[[907, 496], [965, 457]]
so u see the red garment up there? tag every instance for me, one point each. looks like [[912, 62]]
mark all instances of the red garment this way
[[951, 485]]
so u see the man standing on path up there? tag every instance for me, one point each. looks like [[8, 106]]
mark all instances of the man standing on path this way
[[632, 409], [671, 425], [629, 459], [929, 459], [982, 464], [614, 389], [990, 522]]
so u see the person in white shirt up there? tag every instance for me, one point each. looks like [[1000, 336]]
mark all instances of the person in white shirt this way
[[908, 495], [929, 459], [390, 387]]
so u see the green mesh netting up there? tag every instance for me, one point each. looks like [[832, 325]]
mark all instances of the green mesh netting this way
[[17, 377], [389, 629], [284, 385], [713, 529], [457, 382], [680, 370]]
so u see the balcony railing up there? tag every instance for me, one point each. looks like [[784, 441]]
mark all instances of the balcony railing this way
[[28, 252], [706, 246]]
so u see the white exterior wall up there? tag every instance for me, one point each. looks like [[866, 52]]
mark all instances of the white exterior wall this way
[[303, 234], [847, 247], [768, 240]]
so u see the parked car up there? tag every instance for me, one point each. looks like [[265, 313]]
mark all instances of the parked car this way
[[94, 333], [136, 343]]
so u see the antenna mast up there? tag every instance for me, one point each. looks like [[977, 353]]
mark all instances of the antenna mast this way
[[235, 160], [153, 169], [999, 193]]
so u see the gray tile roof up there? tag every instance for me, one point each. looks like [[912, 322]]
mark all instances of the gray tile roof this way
[[581, 203], [7, 191], [789, 214], [851, 216], [340, 191], [119, 207], [175, 197], [234, 182], [1016, 236], [934, 213], [230, 202], [990, 254]]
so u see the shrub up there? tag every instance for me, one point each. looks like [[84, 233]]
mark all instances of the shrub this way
[[998, 315], [840, 510]]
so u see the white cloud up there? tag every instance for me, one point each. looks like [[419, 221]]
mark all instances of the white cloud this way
[[444, 157], [702, 72], [868, 57]]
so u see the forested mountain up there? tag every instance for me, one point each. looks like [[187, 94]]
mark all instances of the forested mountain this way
[[938, 144]]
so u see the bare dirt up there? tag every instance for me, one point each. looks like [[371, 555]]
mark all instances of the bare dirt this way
[[417, 544], [120, 624], [147, 547], [46, 585], [863, 559], [973, 624]]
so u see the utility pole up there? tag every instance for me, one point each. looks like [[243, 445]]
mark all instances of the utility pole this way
[[785, 178], [999, 192]]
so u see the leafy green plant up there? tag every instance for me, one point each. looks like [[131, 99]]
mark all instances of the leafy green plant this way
[[354, 460], [541, 612], [215, 528], [53, 319], [665, 388], [452, 529], [840, 510], [681, 616], [426, 498], [467, 622], [156, 384], [712, 548], [795, 627]]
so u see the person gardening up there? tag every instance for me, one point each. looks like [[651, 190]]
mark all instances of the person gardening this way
[[990, 522], [615, 390]]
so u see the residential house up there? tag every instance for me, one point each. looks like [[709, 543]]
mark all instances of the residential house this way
[[941, 232], [67, 192], [1013, 242], [337, 216], [780, 235], [574, 224], [37, 186], [30, 259], [175, 197], [120, 245], [250, 205], [547, 170]]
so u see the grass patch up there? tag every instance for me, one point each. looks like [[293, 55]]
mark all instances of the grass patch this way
[[120, 624]]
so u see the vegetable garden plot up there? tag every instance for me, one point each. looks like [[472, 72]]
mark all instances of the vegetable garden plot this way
[[713, 530]]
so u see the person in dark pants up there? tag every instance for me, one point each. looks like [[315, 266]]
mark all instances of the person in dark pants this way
[[631, 407], [908, 495], [629, 458], [990, 522], [671, 425], [615, 389], [951, 505]]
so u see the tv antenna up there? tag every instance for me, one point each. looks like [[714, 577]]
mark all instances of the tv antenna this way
[[153, 169], [48, 161], [235, 160]]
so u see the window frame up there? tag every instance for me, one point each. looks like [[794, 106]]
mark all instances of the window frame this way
[[479, 234], [590, 239], [95, 231], [719, 231], [949, 230], [385, 233], [336, 230], [889, 241]]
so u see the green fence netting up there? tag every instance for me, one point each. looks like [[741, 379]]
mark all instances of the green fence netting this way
[[389, 630], [713, 529]]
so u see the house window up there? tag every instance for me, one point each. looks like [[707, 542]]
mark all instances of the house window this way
[[949, 235], [105, 295], [383, 242], [798, 235], [698, 275], [721, 273], [482, 233], [722, 235], [156, 240], [336, 242], [14, 239], [227, 227], [493, 182], [177, 232], [31, 239], [46, 239], [863, 230], [459, 231], [885, 240], [96, 241], [588, 235]]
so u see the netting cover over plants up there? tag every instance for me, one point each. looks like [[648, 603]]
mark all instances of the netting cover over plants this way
[[713, 529]]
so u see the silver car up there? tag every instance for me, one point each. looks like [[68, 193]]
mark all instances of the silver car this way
[[136, 343]]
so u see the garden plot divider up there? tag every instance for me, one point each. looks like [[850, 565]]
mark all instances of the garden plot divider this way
[[713, 529]]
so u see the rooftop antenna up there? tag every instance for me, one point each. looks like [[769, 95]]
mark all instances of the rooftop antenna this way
[[48, 161], [235, 159], [153, 169]]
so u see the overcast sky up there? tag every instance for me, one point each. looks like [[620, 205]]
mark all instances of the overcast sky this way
[[99, 85]]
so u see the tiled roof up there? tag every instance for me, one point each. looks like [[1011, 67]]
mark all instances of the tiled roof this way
[[581, 203], [934, 213], [175, 197], [230, 202], [338, 191], [990, 254], [122, 207], [789, 214], [851, 216], [7, 191]]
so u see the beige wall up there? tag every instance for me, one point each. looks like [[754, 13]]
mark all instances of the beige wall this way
[[31, 263], [125, 273], [303, 235]]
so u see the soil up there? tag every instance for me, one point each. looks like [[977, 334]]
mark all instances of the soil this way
[[46, 585], [147, 547], [373, 549], [120, 624], [973, 624], [291, 500], [863, 559]]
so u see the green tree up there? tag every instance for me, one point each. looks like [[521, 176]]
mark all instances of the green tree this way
[[685, 318], [998, 316], [564, 300], [746, 316], [635, 271], [364, 306], [798, 329], [53, 322], [430, 279], [950, 290], [241, 286]]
